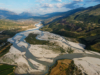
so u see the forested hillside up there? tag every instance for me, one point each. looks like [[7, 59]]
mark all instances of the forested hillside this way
[[83, 25], [91, 14]]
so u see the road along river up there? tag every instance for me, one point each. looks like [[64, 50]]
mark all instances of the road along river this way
[[33, 62]]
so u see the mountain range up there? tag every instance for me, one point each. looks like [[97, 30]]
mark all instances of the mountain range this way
[[5, 14]]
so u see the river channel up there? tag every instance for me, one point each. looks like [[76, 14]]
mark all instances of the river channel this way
[[29, 55]]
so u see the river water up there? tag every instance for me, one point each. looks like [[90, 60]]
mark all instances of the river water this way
[[29, 55]]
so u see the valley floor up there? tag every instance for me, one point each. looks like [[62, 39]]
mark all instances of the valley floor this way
[[36, 58]]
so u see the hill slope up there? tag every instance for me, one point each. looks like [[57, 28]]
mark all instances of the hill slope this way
[[91, 14], [48, 18], [83, 25]]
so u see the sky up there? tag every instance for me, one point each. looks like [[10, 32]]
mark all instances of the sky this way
[[44, 6]]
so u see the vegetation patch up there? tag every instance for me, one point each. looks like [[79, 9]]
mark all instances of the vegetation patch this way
[[64, 67], [70, 50], [4, 49], [32, 40], [55, 48], [51, 46], [4, 68], [73, 69], [91, 42], [96, 47], [7, 69]]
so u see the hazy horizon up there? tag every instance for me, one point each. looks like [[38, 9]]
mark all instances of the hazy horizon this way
[[44, 6]]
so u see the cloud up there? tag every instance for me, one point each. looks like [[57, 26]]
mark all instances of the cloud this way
[[57, 7], [70, 5], [46, 5], [60, 5], [48, 10]]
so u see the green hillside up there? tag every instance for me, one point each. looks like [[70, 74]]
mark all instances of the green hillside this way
[[91, 14], [83, 25]]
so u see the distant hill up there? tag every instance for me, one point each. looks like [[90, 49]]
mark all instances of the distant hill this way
[[57, 15], [83, 25], [63, 14], [28, 15], [5, 14]]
